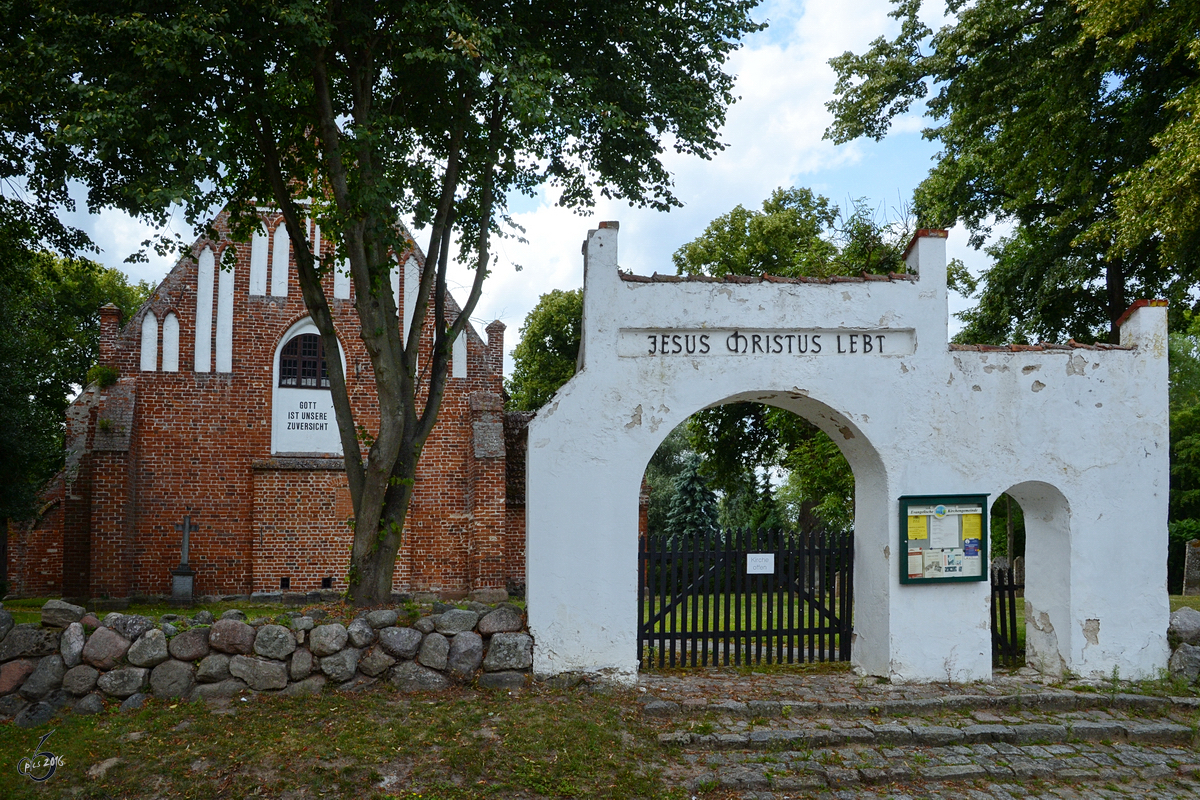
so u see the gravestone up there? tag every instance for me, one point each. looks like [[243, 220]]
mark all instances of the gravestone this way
[[183, 578], [1191, 568]]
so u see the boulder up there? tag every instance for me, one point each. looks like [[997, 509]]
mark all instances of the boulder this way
[[325, 640], [231, 636], [14, 673], [45, 678], [123, 682], [360, 633], [11, 705], [1185, 626], [149, 650], [134, 701], [504, 619], [203, 617], [311, 685], [383, 618], [28, 641], [80, 680], [172, 679], [376, 662], [70, 644], [60, 614], [191, 645], [92, 703], [502, 680], [508, 651], [104, 648], [1185, 663], [341, 665], [274, 641], [169, 630], [259, 673], [301, 665], [213, 668], [6, 623], [34, 715], [302, 623], [489, 596], [434, 649], [400, 642], [131, 626], [455, 621], [412, 677], [465, 655], [426, 624], [234, 614], [230, 687]]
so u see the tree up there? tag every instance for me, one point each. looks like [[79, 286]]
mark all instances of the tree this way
[[1039, 120], [49, 335], [357, 114], [544, 359], [693, 512]]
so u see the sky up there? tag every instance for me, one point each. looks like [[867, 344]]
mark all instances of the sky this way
[[773, 137]]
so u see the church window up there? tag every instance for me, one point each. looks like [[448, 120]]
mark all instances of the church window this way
[[302, 363]]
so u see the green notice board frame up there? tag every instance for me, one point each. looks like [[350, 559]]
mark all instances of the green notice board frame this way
[[943, 538]]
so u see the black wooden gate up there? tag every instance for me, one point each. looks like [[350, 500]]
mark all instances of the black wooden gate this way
[[1007, 650], [699, 602]]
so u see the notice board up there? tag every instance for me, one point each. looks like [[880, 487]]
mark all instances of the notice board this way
[[943, 538]]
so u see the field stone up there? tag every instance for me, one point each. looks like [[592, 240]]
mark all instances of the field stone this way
[[456, 620], [104, 648], [383, 618], [45, 678], [169, 630], [70, 644], [503, 620], [1185, 626], [302, 623], [230, 687], [310, 685], [325, 640], [376, 662], [203, 617], [465, 655], [274, 641], [14, 673], [123, 682], [92, 703], [28, 641], [60, 614], [508, 651], [131, 626], [34, 715], [6, 623], [172, 679], [11, 705], [340, 666], [231, 636], [360, 633], [301, 665], [149, 650], [213, 668], [502, 680], [434, 649], [259, 673], [491, 596], [134, 702], [234, 614], [80, 679], [400, 642], [412, 677], [426, 624], [190, 645], [1185, 663]]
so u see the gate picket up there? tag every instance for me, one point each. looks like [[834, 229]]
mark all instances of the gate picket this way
[[696, 600]]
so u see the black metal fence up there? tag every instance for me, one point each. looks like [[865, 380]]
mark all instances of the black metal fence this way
[[1007, 649], [745, 597]]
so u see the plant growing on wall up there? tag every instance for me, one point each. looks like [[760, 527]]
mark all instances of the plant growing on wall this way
[[358, 114]]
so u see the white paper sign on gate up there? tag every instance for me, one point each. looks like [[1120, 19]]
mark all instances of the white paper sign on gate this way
[[760, 563]]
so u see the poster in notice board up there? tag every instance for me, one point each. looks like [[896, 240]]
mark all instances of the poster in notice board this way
[[943, 538]]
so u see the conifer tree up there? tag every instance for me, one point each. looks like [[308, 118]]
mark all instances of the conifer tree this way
[[694, 507]]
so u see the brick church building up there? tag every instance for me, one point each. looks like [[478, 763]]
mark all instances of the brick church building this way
[[222, 413]]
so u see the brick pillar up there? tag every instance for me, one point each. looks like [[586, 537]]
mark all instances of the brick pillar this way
[[485, 460], [110, 328], [495, 332], [112, 495]]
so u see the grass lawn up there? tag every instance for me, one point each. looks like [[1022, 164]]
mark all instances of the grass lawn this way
[[376, 744]]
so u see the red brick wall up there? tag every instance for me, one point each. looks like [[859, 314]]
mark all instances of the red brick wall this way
[[195, 440]]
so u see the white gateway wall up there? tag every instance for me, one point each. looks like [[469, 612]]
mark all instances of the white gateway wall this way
[[1077, 435]]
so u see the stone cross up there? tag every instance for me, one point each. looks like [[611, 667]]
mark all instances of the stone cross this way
[[186, 528]]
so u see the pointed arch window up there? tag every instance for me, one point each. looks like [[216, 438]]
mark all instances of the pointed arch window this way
[[302, 363]]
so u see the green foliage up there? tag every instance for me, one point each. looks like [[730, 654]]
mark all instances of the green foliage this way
[[50, 338], [666, 465], [1007, 528], [1041, 117], [103, 375], [693, 512], [545, 357], [820, 483]]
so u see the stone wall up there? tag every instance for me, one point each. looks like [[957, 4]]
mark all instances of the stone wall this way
[[73, 659]]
